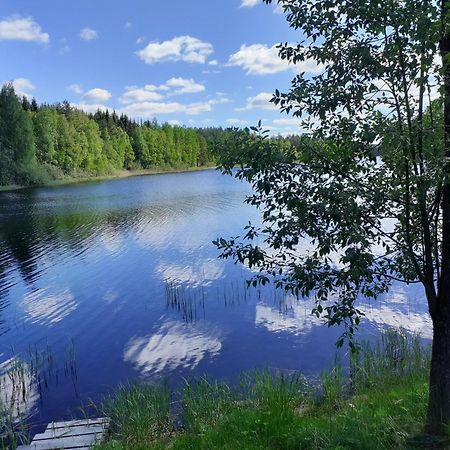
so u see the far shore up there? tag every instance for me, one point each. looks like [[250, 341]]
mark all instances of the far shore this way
[[115, 175]]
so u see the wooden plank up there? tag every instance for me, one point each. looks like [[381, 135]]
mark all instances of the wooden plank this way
[[65, 443], [78, 423], [29, 447], [73, 434], [47, 437], [52, 433]]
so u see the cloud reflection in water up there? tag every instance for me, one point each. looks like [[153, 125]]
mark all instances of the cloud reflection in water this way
[[48, 309], [175, 345], [18, 389], [203, 272], [400, 308], [293, 316]]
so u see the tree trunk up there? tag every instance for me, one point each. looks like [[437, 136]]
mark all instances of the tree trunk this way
[[439, 394]]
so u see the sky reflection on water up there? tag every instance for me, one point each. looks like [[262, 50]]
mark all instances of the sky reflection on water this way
[[126, 270]]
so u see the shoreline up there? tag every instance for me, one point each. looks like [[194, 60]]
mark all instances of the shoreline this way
[[117, 175], [380, 405]]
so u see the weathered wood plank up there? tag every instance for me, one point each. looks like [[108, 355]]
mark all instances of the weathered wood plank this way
[[79, 422], [45, 437], [73, 434], [52, 433], [65, 443]]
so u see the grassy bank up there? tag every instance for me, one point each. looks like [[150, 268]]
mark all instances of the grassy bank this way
[[83, 178], [379, 404]]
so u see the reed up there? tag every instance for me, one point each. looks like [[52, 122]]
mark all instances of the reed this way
[[24, 378]]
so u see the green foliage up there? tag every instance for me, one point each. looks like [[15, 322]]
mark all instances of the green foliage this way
[[366, 201], [41, 144], [45, 123], [356, 204], [17, 148]]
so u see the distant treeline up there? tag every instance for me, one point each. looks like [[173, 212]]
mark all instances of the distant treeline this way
[[41, 143]]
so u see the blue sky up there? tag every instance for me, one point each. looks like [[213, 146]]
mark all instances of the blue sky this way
[[198, 62]]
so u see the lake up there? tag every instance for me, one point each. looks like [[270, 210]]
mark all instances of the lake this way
[[118, 280]]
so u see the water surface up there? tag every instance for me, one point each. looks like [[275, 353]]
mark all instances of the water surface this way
[[119, 280]]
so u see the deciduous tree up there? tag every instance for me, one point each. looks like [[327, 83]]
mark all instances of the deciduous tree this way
[[369, 191]]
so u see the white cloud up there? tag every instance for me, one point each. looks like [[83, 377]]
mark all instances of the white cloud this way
[[278, 9], [182, 48], [128, 25], [221, 99], [259, 59], [76, 88], [260, 101], [145, 110], [249, 3], [237, 122], [148, 101], [174, 123], [140, 40], [17, 28], [152, 93], [91, 107], [88, 34], [135, 94], [152, 109], [185, 86], [287, 122], [97, 95], [23, 86], [214, 62]]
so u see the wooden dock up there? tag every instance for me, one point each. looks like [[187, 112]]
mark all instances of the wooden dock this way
[[74, 434]]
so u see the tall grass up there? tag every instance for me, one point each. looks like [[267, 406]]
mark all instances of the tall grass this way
[[333, 384], [139, 413], [397, 355], [268, 389], [379, 403], [205, 403]]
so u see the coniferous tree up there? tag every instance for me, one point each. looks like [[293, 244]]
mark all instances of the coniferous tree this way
[[26, 104], [34, 106]]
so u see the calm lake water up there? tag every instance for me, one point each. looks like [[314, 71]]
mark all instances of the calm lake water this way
[[118, 280]]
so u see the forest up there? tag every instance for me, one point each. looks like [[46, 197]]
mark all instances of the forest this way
[[43, 143]]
